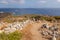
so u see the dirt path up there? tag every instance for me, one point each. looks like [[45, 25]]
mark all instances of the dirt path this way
[[26, 32], [35, 32], [31, 32]]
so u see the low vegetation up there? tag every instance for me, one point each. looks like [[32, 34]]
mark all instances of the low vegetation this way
[[8, 17], [57, 17], [46, 18], [12, 36]]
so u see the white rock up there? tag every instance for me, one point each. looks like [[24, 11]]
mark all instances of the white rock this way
[[1, 31], [53, 38]]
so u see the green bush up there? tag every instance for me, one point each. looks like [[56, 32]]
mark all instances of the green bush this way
[[12, 36], [36, 18], [57, 17]]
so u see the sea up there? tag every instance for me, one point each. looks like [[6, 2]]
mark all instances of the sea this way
[[43, 11]]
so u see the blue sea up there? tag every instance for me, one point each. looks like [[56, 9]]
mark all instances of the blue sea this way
[[43, 11]]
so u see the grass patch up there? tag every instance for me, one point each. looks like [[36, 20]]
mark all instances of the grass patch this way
[[12, 36]]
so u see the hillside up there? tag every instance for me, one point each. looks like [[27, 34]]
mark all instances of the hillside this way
[[30, 26]]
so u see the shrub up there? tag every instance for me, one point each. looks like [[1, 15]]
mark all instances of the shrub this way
[[57, 17]]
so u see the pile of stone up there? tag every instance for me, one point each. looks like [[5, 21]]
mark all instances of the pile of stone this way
[[45, 26], [14, 26], [49, 31], [54, 28]]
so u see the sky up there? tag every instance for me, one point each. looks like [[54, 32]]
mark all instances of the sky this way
[[29, 3]]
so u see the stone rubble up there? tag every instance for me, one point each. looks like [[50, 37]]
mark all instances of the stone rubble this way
[[52, 31], [14, 26]]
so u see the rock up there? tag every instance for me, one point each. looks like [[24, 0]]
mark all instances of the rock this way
[[44, 33], [1, 31], [54, 28], [45, 26]]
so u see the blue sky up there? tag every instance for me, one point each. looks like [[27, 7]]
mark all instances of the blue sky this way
[[29, 3]]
